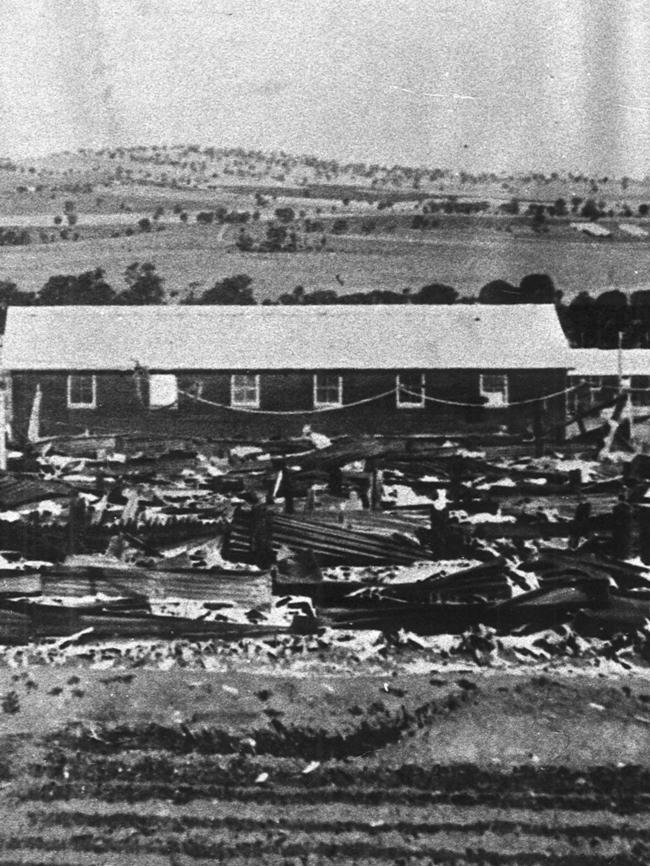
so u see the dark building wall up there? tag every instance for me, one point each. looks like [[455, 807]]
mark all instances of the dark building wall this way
[[122, 405]]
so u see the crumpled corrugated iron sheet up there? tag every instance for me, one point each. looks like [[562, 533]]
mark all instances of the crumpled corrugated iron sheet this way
[[16, 490], [331, 542], [251, 589], [244, 588]]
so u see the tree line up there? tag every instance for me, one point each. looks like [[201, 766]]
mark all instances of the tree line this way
[[143, 285], [599, 321]]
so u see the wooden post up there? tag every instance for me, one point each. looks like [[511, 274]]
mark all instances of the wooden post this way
[[261, 535], [538, 430], [376, 490], [622, 529], [439, 526], [72, 526], [287, 488], [335, 482], [34, 428], [76, 523], [643, 512], [580, 524], [575, 479], [3, 429], [455, 479]]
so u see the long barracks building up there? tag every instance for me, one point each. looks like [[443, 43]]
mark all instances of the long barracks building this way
[[219, 371]]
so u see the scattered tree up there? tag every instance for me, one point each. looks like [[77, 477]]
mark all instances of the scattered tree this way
[[560, 207], [145, 286], [576, 201], [11, 296], [537, 289], [229, 291], [511, 207], [285, 214], [436, 293], [244, 241], [89, 287], [498, 292], [590, 210]]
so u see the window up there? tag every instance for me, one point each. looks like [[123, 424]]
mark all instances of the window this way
[[640, 387], [494, 388], [328, 389], [163, 391], [245, 390], [410, 390], [82, 392], [592, 390]]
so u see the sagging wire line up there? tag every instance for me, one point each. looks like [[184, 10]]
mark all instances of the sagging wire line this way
[[319, 410], [381, 396], [507, 405]]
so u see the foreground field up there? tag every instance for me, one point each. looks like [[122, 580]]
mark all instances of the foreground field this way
[[444, 767]]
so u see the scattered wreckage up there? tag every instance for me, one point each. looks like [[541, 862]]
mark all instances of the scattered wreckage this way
[[208, 543]]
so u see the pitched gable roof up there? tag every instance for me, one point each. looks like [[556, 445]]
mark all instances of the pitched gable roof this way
[[279, 338], [605, 362]]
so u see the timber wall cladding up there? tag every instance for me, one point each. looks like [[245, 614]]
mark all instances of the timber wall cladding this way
[[123, 404]]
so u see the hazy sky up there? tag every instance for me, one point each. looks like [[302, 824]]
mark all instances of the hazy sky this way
[[477, 84]]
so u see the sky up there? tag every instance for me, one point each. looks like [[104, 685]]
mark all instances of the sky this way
[[480, 85]]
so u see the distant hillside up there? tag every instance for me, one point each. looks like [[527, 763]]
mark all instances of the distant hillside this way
[[195, 167]]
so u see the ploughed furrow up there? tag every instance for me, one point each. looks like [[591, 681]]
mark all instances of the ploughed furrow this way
[[334, 785], [552, 825], [135, 792], [93, 858], [276, 739], [443, 848], [136, 776], [76, 858]]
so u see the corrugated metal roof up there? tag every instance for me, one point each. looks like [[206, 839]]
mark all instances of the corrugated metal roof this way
[[594, 229], [276, 338], [604, 362], [634, 230]]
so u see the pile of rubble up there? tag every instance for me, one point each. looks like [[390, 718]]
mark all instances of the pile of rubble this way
[[252, 543]]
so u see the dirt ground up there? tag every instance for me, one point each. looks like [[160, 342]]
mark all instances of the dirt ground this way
[[276, 764]]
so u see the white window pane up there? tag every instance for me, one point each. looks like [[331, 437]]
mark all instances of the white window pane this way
[[81, 392], [494, 388], [163, 390], [245, 389], [327, 389]]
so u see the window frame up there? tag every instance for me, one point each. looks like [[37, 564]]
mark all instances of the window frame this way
[[321, 404], [636, 389], [69, 402], [171, 406], [237, 404], [505, 390], [410, 404]]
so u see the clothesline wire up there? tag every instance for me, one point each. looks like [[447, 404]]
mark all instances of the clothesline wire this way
[[254, 411], [321, 409], [507, 405]]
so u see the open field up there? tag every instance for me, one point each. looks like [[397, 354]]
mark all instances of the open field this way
[[111, 191], [202, 255], [192, 767]]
